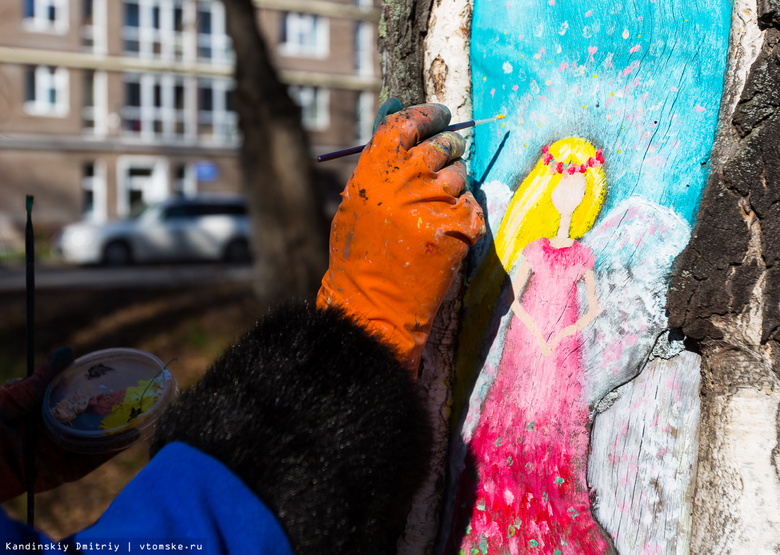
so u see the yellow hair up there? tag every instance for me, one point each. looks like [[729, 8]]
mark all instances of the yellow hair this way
[[531, 214]]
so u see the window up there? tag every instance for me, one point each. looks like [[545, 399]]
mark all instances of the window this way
[[93, 191], [365, 49], [47, 90], [46, 16], [155, 106], [184, 182], [141, 181], [315, 106], [88, 105], [94, 103], [365, 116], [304, 35], [213, 42], [93, 33], [154, 29], [216, 120]]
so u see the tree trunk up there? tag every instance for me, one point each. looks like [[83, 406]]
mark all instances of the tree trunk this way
[[289, 230], [691, 473], [726, 296], [402, 33]]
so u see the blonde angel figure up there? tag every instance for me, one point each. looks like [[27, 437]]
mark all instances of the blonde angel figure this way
[[528, 452]]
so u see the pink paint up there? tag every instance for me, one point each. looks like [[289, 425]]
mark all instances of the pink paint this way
[[492, 92], [654, 423], [613, 352], [634, 49], [515, 87], [551, 2], [589, 13], [630, 340], [563, 66], [592, 50], [525, 479], [700, 109]]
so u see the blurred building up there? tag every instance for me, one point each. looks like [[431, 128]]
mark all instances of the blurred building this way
[[106, 105]]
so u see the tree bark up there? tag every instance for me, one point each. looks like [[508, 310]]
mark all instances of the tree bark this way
[[725, 297], [402, 32], [289, 229]]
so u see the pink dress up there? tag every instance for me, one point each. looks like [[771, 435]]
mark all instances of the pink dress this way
[[524, 489]]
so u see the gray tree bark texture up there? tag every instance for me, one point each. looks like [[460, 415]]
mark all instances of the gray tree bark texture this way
[[289, 228], [402, 31], [725, 295]]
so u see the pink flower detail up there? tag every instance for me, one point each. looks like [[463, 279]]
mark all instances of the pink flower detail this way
[[559, 167]]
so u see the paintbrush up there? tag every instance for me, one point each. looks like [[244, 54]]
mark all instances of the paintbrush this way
[[30, 424], [453, 127]]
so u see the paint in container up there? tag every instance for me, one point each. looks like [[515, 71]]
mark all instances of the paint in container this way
[[107, 400]]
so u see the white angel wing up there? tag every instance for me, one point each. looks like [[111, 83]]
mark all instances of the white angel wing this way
[[634, 246]]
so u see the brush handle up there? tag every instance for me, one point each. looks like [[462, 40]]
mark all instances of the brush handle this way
[[340, 153], [357, 149]]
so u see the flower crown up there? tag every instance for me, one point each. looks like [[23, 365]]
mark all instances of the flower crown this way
[[571, 169]]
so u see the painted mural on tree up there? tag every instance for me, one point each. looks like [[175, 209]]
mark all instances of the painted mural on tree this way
[[591, 186]]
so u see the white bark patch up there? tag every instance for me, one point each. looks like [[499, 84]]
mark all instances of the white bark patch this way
[[740, 511], [448, 43], [447, 81], [644, 451]]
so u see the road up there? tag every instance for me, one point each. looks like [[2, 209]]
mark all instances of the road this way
[[53, 276]]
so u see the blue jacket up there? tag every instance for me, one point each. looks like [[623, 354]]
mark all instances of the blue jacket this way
[[183, 501]]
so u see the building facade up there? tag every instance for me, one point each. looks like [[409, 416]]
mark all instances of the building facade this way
[[109, 105]]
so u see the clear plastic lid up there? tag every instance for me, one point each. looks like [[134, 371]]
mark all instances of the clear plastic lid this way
[[107, 400]]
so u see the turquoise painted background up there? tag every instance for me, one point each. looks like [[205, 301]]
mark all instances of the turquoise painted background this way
[[642, 80]]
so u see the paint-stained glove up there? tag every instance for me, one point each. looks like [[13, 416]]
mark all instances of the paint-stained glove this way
[[402, 229], [53, 465]]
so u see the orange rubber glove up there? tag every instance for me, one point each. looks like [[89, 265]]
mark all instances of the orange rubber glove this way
[[402, 229], [53, 464]]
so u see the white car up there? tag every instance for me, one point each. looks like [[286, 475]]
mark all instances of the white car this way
[[202, 227]]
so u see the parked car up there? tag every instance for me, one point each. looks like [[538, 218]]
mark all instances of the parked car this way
[[201, 227]]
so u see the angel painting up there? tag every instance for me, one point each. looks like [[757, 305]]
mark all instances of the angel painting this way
[[586, 303], [530, 445]]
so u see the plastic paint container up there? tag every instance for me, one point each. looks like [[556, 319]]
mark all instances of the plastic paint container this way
[[107, 400]]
